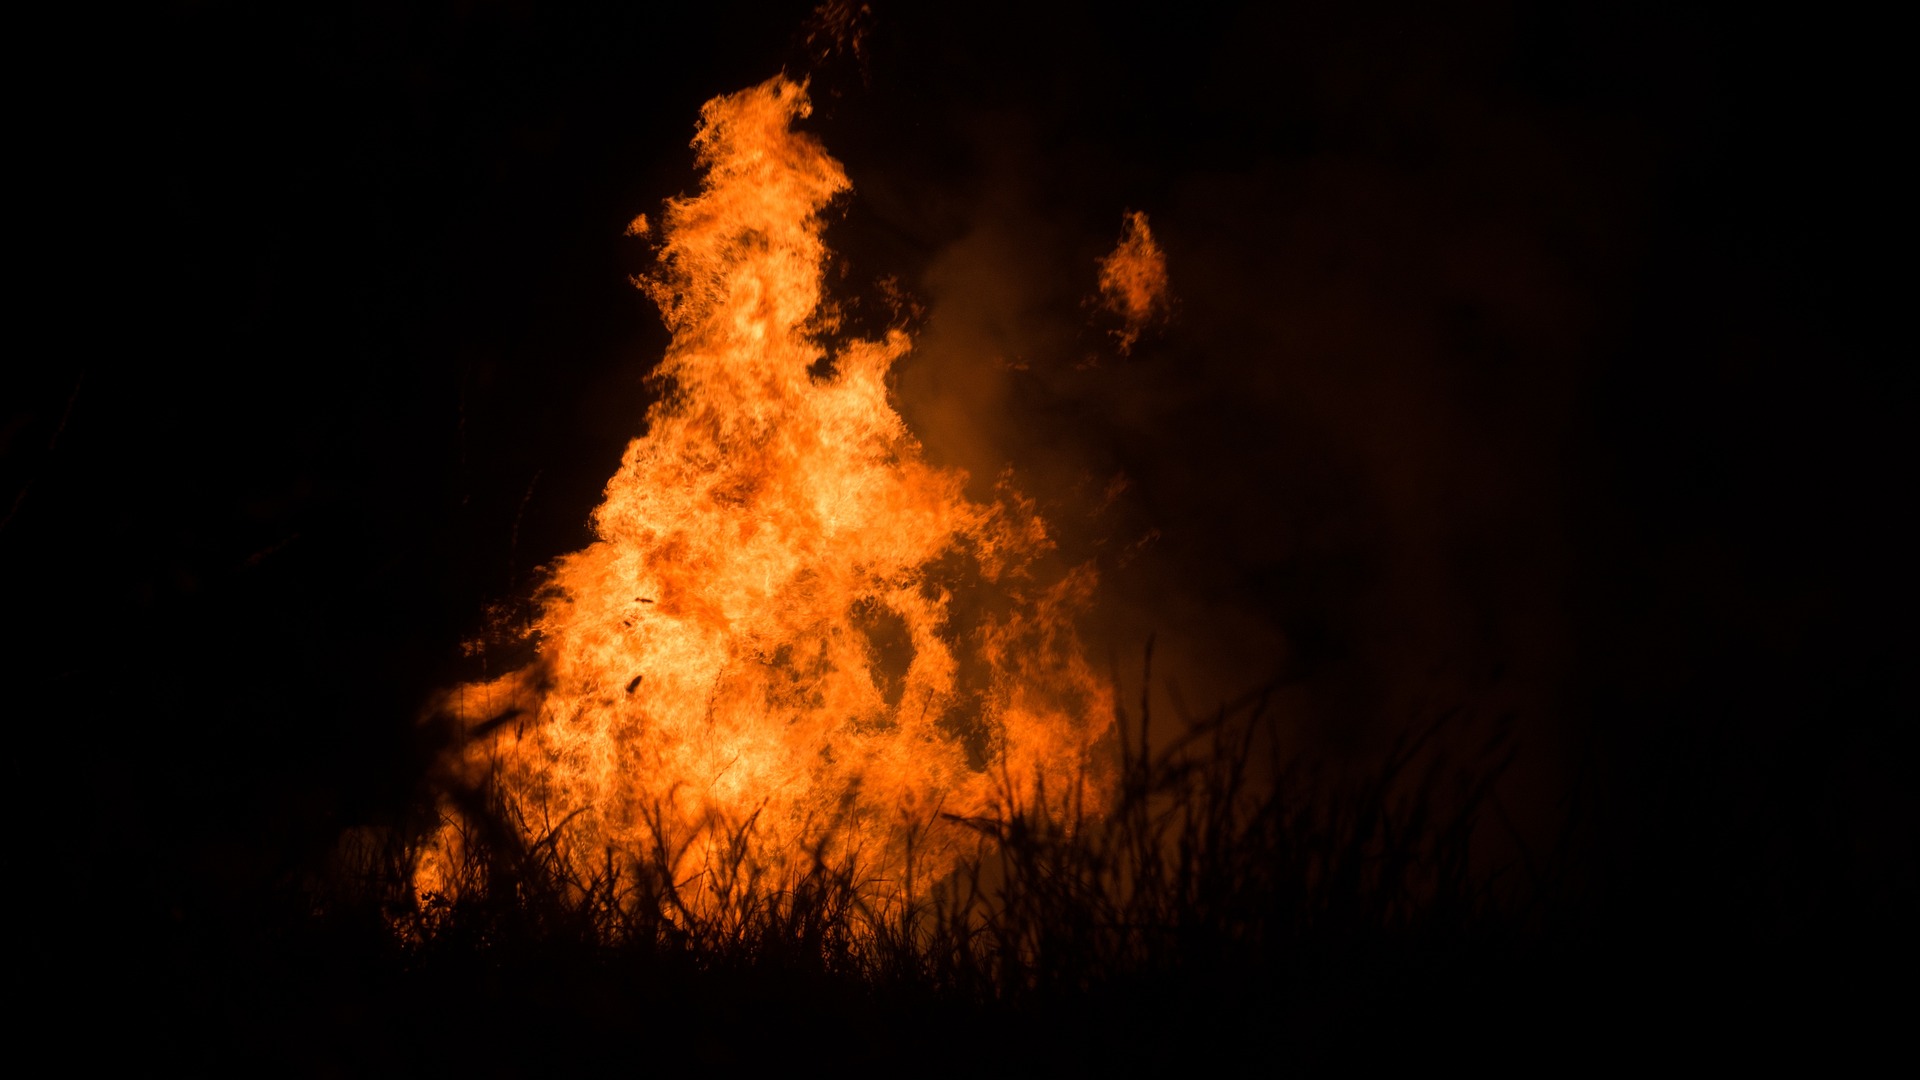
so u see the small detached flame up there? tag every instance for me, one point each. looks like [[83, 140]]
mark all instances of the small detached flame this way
[[1133, 281], [795, 641]]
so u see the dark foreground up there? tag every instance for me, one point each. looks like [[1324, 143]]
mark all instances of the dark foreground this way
[[1298, 925]]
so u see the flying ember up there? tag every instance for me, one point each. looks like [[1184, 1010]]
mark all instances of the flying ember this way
[[794, 641]]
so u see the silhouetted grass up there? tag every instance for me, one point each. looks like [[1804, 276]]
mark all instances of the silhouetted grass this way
[[1236, 898], [1230, 888]]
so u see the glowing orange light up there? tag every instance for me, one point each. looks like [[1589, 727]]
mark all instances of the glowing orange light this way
[[794, 639], [1133, 281]]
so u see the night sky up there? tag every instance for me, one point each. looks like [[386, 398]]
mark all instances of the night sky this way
[[1525, 362]]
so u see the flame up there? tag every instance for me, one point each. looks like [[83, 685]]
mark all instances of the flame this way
[[794, 638], [1133, 280]]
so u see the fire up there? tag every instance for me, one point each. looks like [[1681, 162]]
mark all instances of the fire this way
[[1133, 281], [794, 639]]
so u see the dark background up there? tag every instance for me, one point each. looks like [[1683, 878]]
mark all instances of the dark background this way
[[1528, 360]]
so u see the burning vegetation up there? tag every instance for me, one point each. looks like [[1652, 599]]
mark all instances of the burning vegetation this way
[[796, 756], [807, 707], [796, 644]]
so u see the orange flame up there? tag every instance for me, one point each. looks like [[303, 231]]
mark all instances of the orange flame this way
[[1133, 281], [794, 637]]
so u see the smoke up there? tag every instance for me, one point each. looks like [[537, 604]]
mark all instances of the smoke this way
[[1344, 465], [1346, 435]]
